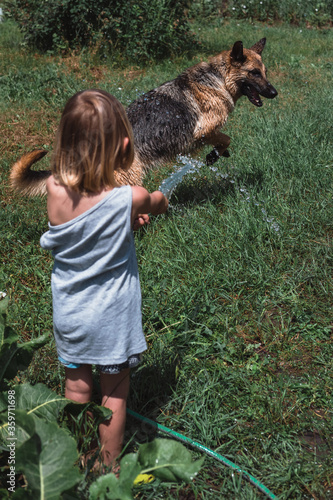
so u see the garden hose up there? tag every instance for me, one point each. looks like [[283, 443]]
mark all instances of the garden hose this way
[[202, 448]]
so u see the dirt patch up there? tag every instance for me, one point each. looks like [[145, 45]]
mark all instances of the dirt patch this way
[[314, 443]]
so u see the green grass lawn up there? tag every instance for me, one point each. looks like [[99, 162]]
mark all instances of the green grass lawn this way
[[236, 278]]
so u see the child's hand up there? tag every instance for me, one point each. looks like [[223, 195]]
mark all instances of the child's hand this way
[[140, 221]]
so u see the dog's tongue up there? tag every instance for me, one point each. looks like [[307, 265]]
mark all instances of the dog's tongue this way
[[252, 95], [254, 98]]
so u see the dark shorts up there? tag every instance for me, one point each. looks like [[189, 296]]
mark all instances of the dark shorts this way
[[132, 362]]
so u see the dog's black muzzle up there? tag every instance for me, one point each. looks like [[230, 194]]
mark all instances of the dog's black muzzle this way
[[253, 92]]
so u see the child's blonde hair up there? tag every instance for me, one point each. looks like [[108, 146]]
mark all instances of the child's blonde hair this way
[[89, 143]]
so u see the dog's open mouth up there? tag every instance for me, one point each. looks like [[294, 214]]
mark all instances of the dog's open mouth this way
[[252, 94]]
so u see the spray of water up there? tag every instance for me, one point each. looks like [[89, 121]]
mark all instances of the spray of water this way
[[190, 166]]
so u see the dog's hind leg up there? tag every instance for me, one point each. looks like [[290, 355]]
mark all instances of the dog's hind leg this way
[[220, 142]]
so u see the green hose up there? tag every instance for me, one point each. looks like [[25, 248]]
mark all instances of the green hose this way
[[209, 452]]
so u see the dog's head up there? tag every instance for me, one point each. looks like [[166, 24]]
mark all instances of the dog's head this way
[[251, 78]]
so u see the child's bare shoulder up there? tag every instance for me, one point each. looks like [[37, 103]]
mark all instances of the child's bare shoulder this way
[[53, 187], [56, 193], [58, 203]]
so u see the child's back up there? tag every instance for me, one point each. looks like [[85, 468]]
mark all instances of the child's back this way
[[95, 283]]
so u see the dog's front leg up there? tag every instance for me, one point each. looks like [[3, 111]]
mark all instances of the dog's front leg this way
[[220, 142]]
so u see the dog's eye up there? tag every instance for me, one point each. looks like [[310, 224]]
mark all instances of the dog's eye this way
[[255, 72]]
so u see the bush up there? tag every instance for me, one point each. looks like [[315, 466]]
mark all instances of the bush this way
[[150, 29]]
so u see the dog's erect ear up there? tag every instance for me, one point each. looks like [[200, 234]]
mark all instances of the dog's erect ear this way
[[259, 46], [237, 52]]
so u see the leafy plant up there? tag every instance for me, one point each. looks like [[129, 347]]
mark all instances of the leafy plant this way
[[150, 29], [165, 459], [47, 455], [44, 452], [14, 356]]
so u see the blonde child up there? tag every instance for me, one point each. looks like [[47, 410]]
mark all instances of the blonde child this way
[[95, 283]]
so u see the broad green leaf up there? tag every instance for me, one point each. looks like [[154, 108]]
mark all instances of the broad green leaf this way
[[47, 461], [35, 400], [107, 488], [14, 356], [168, 460], [26, 350], [24, 427], [17, 432], [39, 400], [26, 422], [110, 487]]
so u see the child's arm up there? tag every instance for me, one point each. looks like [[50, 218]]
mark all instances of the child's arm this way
[[144, 203]]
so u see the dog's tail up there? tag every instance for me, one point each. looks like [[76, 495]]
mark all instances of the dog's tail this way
[[26, 181]]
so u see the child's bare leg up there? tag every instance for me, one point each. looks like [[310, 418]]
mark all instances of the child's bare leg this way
[[114, 395], [78, 384], [78, 388]]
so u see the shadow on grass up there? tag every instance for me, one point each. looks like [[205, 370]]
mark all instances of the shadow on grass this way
[[151, 387]]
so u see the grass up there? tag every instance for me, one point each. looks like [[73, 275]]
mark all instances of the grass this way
[[236, 278]]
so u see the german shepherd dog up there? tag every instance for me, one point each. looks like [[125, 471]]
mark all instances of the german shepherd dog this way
[[180, 116]]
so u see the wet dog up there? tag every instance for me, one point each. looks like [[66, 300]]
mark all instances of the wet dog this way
[[180, 116]]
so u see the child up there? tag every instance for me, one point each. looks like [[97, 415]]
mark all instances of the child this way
[[95, 283]]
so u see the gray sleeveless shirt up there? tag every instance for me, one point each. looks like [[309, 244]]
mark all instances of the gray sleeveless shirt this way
[[95, 284]]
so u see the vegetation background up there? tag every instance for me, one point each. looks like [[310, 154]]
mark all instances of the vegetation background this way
[[237, 277]]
